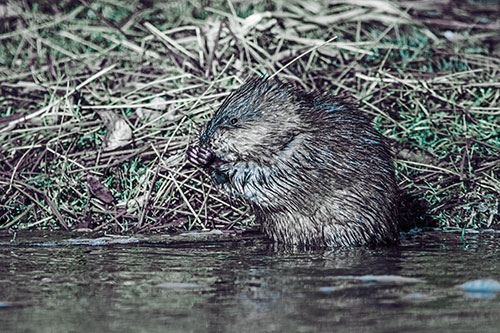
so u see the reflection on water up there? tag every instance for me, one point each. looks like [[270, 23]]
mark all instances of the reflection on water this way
[[246, 286]]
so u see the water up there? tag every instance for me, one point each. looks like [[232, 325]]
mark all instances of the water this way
[[246, 286]]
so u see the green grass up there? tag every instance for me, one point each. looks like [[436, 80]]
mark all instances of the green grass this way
[[99, 102]]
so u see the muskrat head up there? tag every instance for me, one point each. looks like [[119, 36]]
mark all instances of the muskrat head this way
[[253, 123]]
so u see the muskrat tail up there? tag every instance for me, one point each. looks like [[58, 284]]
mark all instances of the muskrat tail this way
[[414, 212]]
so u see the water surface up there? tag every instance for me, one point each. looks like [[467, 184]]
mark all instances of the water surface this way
[[246, 286]]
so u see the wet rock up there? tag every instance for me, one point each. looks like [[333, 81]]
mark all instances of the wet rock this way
[[380, 278], [418, 297], [178, 285], [100, 241], [481, 288]]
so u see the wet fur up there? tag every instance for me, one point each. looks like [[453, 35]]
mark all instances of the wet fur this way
[[312, 167]]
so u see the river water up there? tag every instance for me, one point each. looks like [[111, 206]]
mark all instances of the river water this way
[[244, 285]]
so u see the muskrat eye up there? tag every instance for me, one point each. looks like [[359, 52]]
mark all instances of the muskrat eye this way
[[233, 121]]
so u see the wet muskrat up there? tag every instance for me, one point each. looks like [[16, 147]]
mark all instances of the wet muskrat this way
[[312, 168]]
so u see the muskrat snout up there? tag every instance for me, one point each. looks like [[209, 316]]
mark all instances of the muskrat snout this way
[[200, 156]]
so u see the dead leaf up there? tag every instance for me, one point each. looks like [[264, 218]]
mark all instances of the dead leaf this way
[[118, 132], [9, 10], [155, 109], [98, 190], [210, 31]]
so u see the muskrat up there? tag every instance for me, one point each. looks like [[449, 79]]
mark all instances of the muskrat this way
[[311, 166]]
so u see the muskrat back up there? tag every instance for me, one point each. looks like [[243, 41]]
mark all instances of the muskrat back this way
[[311, 166]]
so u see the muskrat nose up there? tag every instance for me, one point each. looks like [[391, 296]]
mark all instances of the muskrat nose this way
[[206, 133]]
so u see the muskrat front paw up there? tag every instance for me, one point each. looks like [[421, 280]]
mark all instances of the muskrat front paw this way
[[200, 156]]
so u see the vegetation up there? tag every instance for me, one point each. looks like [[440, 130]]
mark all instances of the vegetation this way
[[100, 99]]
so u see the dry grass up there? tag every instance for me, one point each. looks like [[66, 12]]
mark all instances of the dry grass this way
[[99, 101]]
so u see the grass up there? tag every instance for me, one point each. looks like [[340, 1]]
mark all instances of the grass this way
[[100, 99]]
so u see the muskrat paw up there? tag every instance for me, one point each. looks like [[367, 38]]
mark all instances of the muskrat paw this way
[[200, 156]]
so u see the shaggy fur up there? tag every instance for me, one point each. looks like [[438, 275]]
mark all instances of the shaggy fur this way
[[312, 168]]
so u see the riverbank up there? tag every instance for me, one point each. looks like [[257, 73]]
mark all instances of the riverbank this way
[[99, 103]]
